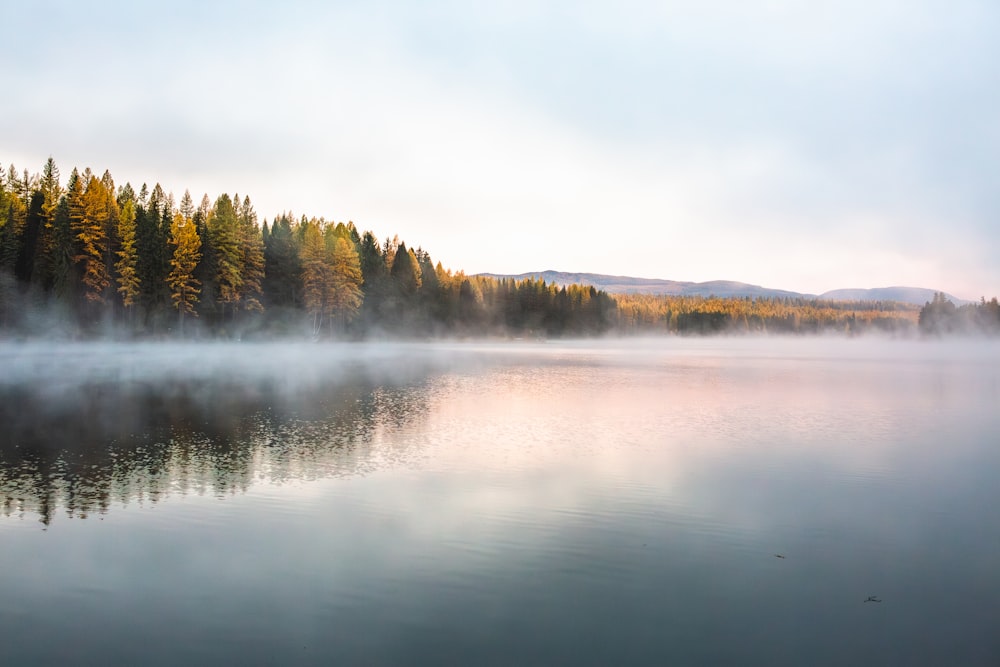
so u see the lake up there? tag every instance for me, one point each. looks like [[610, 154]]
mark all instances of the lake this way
[[679, 501]]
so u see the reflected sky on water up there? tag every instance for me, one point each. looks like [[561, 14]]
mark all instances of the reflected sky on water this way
[[501, 503]]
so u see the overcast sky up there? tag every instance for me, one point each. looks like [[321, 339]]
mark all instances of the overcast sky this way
[[805, 145]]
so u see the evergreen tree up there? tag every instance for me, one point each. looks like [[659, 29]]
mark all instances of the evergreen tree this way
[[112, 242], [152, 232], [51, 191], [89, 229], [282, 278], [346, 296], [187, 251], [252, 258], [187, 206], [127, 265], [317, 279], [30, 239], [61, 277], [405, 271], [224, 232], [206, 270], [50, 188], [10, 241]]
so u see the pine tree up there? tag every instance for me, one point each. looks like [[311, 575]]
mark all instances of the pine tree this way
[[61, 277], [224, 232], [346, 295], [51, 191], [126, 266], [10, 241], [282, 279], [317, 280], [152, 259], [187, 251], [252, 258], [31, 239], [187, 206], [50, 188], [112, 242], [405, 271], [89, 229]]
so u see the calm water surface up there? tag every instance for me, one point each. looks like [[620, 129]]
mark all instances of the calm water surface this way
[[521, 503]]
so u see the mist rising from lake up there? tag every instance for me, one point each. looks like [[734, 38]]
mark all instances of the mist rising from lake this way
[[581, 502]]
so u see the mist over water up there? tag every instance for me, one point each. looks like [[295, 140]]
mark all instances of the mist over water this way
[[522, 503]]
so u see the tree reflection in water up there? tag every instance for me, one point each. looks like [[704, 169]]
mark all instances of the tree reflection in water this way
[[86, 447]]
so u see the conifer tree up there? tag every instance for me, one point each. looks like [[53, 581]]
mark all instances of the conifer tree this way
[[346, 296], [187, 206], [61, 253], [282, 278], [405, 271], [50, 188], [187, 251], [110, 226], [10, 241], [224, 232], [252, 258], [152, 257], [126, 266], [206, 270], [51, 191], [317, 280], [31, 239], [89, 229]]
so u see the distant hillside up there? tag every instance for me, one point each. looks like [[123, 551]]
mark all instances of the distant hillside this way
[[917, 295], [629, 285], [722, 288]]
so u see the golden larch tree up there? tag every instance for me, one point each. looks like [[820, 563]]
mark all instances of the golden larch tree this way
[[346, 295], [90, 232], [317, 276], [184, 287]]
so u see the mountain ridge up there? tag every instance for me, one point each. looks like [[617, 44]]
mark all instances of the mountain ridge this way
[[723, 288]]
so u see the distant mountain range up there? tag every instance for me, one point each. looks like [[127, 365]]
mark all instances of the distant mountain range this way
[[723, 288]]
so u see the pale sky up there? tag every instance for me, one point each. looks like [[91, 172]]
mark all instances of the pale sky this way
[[805, 145]]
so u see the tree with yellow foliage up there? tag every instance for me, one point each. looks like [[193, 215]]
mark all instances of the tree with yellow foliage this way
[[317, 275], [184, 287], [128, 275], [345, 297], [90, 230]]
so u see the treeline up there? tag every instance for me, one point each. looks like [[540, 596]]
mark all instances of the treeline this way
[[640, 313], [941, 317], [88, 258]]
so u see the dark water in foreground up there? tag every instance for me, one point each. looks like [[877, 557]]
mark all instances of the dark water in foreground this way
[[586, 503]]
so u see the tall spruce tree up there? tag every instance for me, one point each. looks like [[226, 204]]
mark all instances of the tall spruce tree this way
[[251, 258], [224, 232], [126, 267], [282, 279]]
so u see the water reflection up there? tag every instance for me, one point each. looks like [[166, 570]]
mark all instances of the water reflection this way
[[141, 432], [568, 504]]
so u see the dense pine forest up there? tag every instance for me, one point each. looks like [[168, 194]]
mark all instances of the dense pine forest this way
[[88, 258]]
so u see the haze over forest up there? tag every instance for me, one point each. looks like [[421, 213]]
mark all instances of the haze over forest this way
[[90, 258]]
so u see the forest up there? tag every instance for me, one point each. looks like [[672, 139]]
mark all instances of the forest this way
[[90, 259], [942, 317]]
